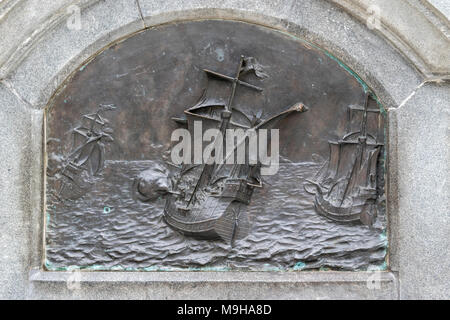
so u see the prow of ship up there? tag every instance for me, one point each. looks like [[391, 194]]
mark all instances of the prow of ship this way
[[345, 186], [209, 200]]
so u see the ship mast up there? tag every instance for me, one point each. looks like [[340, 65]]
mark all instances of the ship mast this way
[[362, 144], [208, 169], [89, 134], [363, 136]]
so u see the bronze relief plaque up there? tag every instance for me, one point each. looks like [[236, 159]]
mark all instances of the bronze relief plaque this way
[[117, 200]]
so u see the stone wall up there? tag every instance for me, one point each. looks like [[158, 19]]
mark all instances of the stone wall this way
[[405, 59]]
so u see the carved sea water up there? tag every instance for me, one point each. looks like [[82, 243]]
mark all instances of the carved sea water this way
[[132, 234]]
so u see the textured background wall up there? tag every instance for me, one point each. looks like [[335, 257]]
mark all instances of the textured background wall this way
[[405, 59]]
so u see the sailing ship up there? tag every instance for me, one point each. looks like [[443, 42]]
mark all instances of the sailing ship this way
[[209, 200], [345, 187], [86, 159]]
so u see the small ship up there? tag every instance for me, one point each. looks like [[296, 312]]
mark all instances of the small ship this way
[[86, 158], [345, 186]]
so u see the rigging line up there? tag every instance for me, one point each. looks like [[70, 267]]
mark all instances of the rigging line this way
[[350, 177]]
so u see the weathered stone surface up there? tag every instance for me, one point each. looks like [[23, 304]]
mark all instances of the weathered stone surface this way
[[33, 18], [31, 21], [319, 22], [62, 48], [407, 25], [423, 225], [15, 188], [442, 5], [20, 21], [39, 51], [215, 285]]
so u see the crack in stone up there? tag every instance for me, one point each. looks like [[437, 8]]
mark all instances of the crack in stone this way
[[10, 87], [140, 12], [437, 80]]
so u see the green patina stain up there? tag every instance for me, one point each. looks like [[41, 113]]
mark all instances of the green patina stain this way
[[268, 267], [328, 54], [51, 267], [383, 235], [299, 266], [212, 269], [152, 268], [350, 71], [382, 267]]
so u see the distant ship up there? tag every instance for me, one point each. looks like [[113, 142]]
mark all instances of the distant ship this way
[[86, 158], [345, 186], [208, 200]]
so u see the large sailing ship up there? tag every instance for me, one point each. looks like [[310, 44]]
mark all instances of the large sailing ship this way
[[209, 200], [345, 187]]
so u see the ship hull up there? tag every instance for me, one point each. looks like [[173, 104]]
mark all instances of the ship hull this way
[[229, 221], [197, 221], [364, 212], [199, 229]]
